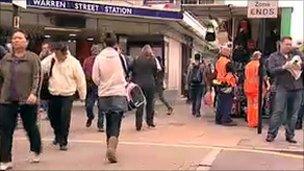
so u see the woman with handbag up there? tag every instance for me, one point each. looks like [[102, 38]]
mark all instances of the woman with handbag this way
[[144, 73]]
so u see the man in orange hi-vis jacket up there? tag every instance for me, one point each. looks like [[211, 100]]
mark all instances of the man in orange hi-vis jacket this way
[[251, 87], [225, 81]]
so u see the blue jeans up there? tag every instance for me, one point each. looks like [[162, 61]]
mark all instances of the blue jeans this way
[[289, 101], [114, 108], [92, 97], [223, 107], [301, 111], [197, 95]]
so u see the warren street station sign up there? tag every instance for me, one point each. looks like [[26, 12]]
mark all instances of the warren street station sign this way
[[78, 6]]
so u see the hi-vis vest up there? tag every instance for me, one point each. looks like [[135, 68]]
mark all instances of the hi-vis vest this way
[[222, 75], [251, 84]]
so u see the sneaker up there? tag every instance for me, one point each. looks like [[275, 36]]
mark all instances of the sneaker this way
[[299, 126], [229, 124], [198, 116], [63, 148], [55, 142], [89, 123], [269, 138], [101, 130], [291, 140], [34, 158], [6, 166], [170, 111], [152, 125]]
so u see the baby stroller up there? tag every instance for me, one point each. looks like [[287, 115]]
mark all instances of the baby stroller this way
[[239, 107]]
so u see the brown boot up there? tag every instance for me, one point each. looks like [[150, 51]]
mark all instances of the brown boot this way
[[111, 150]]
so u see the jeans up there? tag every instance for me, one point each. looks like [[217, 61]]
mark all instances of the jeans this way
[[8, 120], [114, 108], [149, 94], [224, 106], [60, 108], [160, 92], [92, 97], [113, 122], [197, 95], [301, 111], [285, 100]]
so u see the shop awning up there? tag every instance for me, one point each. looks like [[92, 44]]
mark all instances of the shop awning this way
[[96, 8]]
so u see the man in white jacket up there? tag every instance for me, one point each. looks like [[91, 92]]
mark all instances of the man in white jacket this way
[[65, 77], [108, 75]]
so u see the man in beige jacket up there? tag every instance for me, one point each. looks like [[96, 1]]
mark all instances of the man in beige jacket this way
[[65, 77]]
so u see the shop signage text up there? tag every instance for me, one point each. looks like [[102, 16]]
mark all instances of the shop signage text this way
[[101, 8], [79, 6], [262, 9]]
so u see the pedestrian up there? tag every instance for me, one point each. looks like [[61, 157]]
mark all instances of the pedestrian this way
[[46, 50], [125, 62], [160, 85], [2, 52], [226, 82], [251, 88], [108, 75], [65, 77], [144, 72], [20, 66], [299, 124], [92, 91], [288, 86], [197, 83]]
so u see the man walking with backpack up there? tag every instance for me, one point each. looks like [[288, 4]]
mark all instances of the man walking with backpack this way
[[196, 80]]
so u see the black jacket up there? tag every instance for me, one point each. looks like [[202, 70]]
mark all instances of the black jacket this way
[[144, 72], [282, 78], [2, 52]]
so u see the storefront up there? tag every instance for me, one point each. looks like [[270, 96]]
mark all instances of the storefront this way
[[262, 33], [81, 24]]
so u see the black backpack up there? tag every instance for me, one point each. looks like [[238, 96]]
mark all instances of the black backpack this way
[[196, 75], [44, 92]]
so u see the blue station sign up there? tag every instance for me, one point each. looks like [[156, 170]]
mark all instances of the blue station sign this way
[[78, 6]]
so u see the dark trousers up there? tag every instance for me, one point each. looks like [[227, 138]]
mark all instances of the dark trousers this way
[[92, 97], [8, 120], [300, 116], [160, 93], [60, 108], [301, 112], [197, 95], [224, 106], [113, 122], [285, 100], [149, 108]]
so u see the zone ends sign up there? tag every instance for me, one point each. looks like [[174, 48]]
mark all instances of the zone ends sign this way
[[262, 9]]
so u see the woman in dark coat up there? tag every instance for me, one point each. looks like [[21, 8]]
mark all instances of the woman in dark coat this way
[[144, 72]]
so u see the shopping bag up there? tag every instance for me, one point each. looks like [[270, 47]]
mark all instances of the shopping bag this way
[[208, 101]]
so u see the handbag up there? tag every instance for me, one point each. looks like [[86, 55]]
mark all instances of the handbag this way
[[45, 93], [208, 99]]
